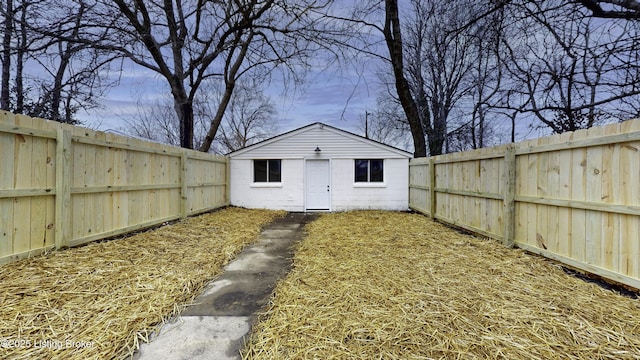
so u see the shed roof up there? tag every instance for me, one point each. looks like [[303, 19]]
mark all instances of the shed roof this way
[[314, 127]]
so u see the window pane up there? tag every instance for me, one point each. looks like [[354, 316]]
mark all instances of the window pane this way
[[362, 168], [377, 173], [274, 171], [259, 170]]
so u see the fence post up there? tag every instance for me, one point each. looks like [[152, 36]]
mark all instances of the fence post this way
[[432, 187], [227, 181], [183, 183], [63, 189], [509, 208]]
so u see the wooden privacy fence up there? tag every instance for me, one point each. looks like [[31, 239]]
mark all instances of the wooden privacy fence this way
[[574, 197], [63, 185]]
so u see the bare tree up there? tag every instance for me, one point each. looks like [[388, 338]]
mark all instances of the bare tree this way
[[447, 69], [248, 119], [190, 43], [569, 65], [63, 76], [387, 123], [21, 52], [486, 90], [8, 21], [74, 69], [443, 63], [465, 66], [432, 48], [155, 121], [572, 71], [393, 37]]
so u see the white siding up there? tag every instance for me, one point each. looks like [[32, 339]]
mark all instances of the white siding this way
[[392, 194], [333, 143], [287, 195], [338, 146]]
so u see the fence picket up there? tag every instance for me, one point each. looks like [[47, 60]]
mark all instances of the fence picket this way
[[23, 178], [62, 185], [63, 228], [7, 168], [563, 191], [594, 219], [576, 197], [509, 211]]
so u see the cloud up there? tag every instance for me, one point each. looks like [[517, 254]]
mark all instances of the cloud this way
[[339, 97]]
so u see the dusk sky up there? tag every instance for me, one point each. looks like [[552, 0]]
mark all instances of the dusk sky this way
[[338, 97]]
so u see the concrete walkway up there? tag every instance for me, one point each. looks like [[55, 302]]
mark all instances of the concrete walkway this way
[[215, 325]]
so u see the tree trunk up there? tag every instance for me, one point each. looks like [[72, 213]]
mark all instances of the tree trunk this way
[[393, 39], [184, 109], [217, 119], [438, 135], [5, 99], [66, 52], [20, 52], [231, 73], [56, 91]]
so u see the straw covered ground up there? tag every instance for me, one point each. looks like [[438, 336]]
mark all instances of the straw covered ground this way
[[382, 285], [98, 301]]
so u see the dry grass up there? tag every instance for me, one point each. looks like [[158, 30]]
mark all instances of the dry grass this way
[[378, 285], [106, 297]]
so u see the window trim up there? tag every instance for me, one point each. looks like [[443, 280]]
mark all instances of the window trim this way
[[368, 181], [268, 173]]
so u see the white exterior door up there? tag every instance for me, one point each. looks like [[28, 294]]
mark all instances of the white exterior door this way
[[317, 185]]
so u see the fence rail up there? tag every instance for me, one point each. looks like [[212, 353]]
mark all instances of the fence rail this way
[[574, 197], [62, 185]]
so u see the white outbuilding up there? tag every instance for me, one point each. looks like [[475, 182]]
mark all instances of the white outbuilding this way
[[320, 168]]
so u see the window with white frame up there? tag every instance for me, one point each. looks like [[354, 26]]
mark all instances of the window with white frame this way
[[266, 171], [369, 170]]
